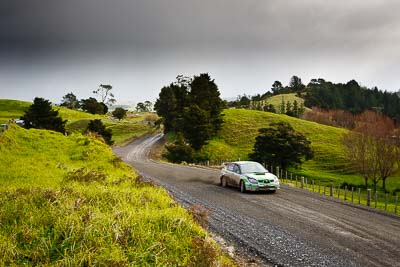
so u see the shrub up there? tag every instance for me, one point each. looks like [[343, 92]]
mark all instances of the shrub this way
[[97, 126]]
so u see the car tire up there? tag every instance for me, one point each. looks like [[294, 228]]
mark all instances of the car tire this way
[[242, 187], [223, 181]]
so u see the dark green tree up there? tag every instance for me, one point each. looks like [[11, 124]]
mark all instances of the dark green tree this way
[[119, 113], [205, 94], [296, 85], [277, 88], [281, 145], [92, 106], [41, 115], [289, 109], [295, 109], [270, 108], [70, 101], [197, 130], [96, 126]]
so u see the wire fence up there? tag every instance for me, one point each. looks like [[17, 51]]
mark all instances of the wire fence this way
[[352, 194]]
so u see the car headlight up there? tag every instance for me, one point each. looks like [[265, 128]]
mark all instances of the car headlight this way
[[252, 180]]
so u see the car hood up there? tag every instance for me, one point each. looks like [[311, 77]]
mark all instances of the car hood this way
[[261, 176]]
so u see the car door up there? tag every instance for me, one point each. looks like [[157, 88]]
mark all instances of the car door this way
[[229, 175], [236, 175]]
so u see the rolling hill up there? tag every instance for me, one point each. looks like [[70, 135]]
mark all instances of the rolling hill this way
[[237, 137]]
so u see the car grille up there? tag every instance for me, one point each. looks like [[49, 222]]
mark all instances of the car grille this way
[[265, 181]]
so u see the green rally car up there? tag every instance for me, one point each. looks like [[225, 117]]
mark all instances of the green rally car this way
[[248, 176]]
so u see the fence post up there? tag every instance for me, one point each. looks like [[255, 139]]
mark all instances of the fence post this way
[[386, 198], [345, 192], [395, 207], [376, 198], [359, 196], [368, 197], [352, 194], [324, 190], [272, 168], [208, 163], [302, 181], [313, 186], [306, 183], [291, 177], [319, 187], [338, 191], [296, 180], [331, 190], [277, 172], [286, 176]]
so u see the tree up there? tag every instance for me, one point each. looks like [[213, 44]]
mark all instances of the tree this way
[[205, 94], [41, 115], [296, 85], [104, 92], [277, 87], [141, 107], [197, 130], [180, 151], [92, 106], [244, 101], [148, 105], [119, 113], [270, 108], [70, 101], [281, 145], [372, 148], [96, 126]]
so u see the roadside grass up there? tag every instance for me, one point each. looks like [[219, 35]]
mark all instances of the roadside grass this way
[[68, 200], [237, 137]]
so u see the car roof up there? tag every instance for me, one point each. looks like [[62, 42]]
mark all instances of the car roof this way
[[243, 162]]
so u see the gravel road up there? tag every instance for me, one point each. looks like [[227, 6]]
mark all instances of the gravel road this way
[[292, 227]]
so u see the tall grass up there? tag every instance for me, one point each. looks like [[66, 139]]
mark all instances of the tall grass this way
[[71, 201]]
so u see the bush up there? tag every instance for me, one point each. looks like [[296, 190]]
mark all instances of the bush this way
[[179, 152], [96, 126], [119, 113]]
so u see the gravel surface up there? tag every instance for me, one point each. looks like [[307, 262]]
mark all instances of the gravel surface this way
[[292, 227]]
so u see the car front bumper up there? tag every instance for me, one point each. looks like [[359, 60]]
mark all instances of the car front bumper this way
[[267, 187]]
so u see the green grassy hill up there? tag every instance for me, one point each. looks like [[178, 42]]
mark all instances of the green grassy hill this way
[[12, 109], [124, 131], [276, 100], [69, 201], [237, 138]]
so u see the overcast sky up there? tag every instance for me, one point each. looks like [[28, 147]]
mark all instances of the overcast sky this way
[[51, 47]]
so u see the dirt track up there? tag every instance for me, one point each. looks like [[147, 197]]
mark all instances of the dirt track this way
[[292, 227]]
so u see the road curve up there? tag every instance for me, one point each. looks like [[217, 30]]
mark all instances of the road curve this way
[[292, 227]]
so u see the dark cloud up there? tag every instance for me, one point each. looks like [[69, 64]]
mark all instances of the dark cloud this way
[[339, 39]]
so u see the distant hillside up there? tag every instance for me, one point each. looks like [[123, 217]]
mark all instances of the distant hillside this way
[[276, 101], [12, 109], [124, 131], [237, 138]]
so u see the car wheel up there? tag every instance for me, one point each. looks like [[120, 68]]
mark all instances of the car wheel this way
[[223, 181], [242, 187], [273, 191]]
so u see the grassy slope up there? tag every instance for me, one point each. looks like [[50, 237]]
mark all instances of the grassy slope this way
[[12, 109], [50, 216], [237, 137]]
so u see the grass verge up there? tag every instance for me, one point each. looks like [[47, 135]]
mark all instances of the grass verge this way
[[71, 201]]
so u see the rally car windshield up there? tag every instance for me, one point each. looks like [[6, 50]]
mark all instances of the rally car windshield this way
[[252, 168]]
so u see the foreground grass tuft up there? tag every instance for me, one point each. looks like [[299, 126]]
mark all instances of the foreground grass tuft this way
[[70, 201]]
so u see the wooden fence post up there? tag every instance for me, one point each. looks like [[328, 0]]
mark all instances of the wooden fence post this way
[[324, 189], [368, 197], [352, 194], [306, 183], [338, 191], [319, 187], [291, 176], [277, 172], [359, 196], [395, 207], [331, 190], [376, 198], [386, 199], [313, 186], [302, 181], [345, 192]]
